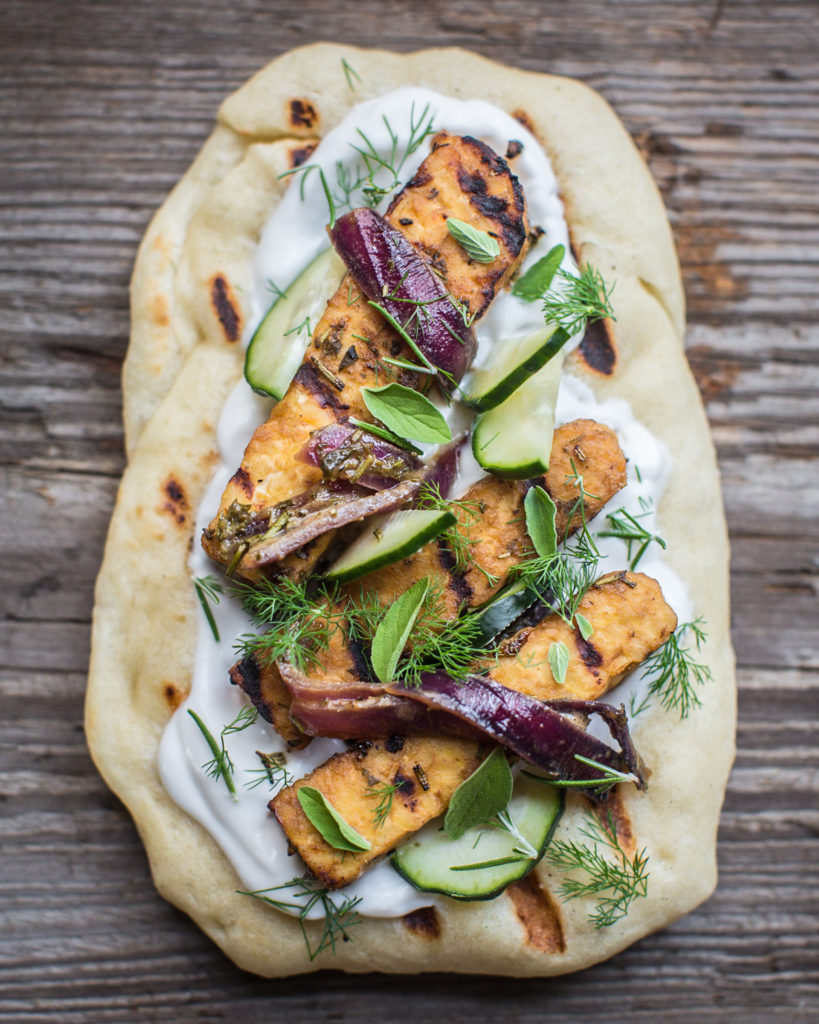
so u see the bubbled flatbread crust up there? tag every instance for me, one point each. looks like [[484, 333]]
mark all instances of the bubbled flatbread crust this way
[[178, 374]]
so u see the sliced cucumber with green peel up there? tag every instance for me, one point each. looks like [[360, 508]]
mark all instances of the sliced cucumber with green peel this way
[[506, 606], [514, 440], [434, 863], [387, 539], [277, 347], [512, 365]]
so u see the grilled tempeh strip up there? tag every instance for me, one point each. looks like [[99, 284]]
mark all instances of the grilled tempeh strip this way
[[462, 178], [630, 619], [425, 776]]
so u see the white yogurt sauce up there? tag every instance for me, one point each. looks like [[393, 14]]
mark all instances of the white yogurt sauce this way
[[293, 236]]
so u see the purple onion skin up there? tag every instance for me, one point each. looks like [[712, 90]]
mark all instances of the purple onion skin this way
[[355, 506], [532, 729], [390, 463], [383, 264]]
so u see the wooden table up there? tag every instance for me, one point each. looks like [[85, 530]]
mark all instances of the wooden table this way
[[104, 105]]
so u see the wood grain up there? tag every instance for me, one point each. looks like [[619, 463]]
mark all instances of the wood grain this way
[[104, 104]]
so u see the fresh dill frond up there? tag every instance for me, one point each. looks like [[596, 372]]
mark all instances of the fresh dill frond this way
[[609, 873], [580, 301], [672, 672], [629, 529], [385, 795], [339, 911], [439, 643], [561, 579], [247, 716], [273, 771], [209, 589], [350, 73], [458, 537], [220, 766]]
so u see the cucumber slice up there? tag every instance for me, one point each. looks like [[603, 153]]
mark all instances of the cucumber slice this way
[[388, 538], [276, 350], [506, 606], [514, 440], [512, 366], [430, 860]]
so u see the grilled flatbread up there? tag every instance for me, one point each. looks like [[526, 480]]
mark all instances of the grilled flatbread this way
[[189, 301]]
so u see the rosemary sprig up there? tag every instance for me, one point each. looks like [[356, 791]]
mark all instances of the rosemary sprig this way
[[610, 874], [581, 301], [609, 779], [339, 916], [208, 589], [385, 795], [392, 164], [672, 672], [628, 528], [273, 771]]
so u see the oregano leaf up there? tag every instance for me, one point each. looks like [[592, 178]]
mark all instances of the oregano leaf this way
[[583, 624], [407, 413], [534, 284], [477, 245], [480, 797], [558, 658], [325, 818], [540, 521], [394, 630]]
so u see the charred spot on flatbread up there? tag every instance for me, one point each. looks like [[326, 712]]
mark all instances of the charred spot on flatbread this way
[[175, 501], [303, 114], [539, 914], [173, 695], [225, 306], [301, 154], [598, 349], [423, 922]]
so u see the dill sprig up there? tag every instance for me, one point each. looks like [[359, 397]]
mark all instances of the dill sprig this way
[[220, 766], [208, 589], [438, 643], [297, 619], [392, 164], [629, 529], [458, 537], [672, 672], [561, 579], [385, 795], [610, 874], [582, 300], [273, 771], [339, 916]]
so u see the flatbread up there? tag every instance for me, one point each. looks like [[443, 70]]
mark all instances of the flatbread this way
[[176, 381]]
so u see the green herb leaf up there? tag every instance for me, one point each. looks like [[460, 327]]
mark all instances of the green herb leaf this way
[[558, 657], [407, 413], [534, 284], [480, 797], [477, 245], [392, 634], [540, 521], [385, 435], [326, 819], [583, 624]]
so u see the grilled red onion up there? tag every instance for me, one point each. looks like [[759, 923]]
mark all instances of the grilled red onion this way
[[534, 730], [390, 272], [345, 452]]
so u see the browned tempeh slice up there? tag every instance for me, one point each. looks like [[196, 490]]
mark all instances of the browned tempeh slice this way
[[268, 694], [461, 177], [425, 773], [630, 618], [499, 538]]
